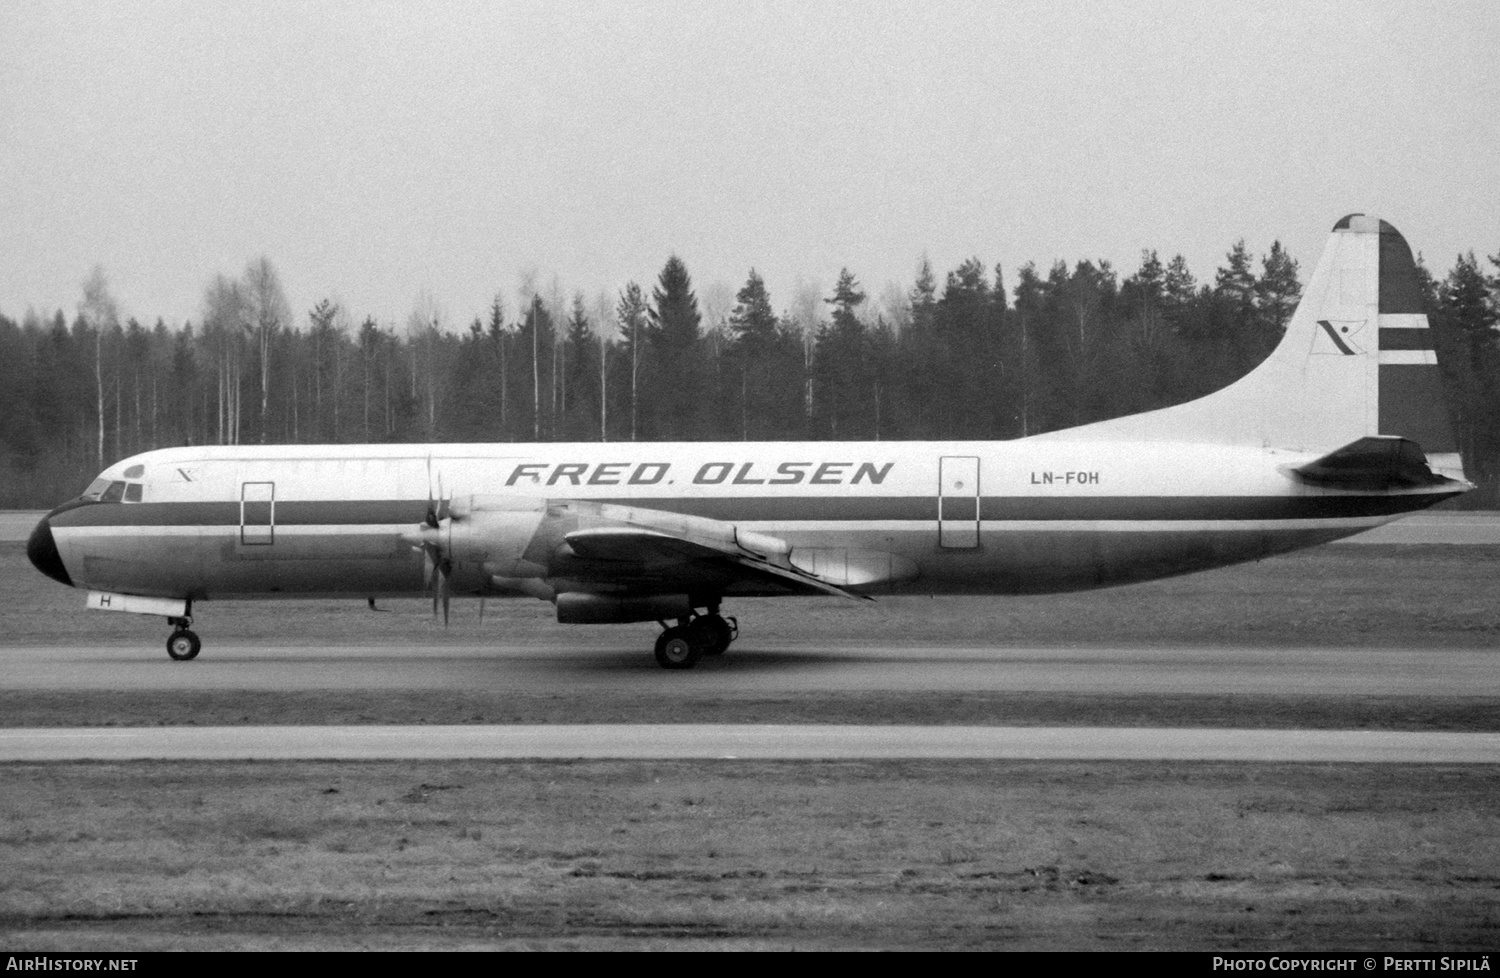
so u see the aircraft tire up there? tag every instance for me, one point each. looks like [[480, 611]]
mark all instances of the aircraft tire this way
[[715, 632], [675, 649], [183, 645]]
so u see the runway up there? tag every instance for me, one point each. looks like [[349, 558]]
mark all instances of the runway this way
[[757, 742], [760, 670]]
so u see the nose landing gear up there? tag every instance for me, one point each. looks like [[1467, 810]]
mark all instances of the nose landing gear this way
[[182, 644]]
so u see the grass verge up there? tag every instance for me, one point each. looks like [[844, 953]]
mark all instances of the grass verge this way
[[817, 855]]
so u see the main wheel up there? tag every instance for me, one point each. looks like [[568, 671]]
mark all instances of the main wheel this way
[[675, 649], [714, 634], [183, 644]]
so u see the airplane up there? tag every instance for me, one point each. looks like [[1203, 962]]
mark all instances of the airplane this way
[[1342, 428]]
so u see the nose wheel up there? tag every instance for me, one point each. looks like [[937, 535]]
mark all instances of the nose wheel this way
[[182, 644]]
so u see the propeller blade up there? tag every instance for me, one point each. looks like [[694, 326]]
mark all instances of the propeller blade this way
[[432, 519], [439, 587], [443, 589]]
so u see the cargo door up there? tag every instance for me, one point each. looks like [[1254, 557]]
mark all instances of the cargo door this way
[[257, 514], [958, 501]]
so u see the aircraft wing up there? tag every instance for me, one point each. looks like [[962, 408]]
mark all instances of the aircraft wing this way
[[723, 547]]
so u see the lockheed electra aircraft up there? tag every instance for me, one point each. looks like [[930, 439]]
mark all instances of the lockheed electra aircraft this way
[[1341, 429]]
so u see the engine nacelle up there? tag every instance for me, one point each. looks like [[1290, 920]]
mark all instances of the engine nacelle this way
[[493, 531], [576, 608]]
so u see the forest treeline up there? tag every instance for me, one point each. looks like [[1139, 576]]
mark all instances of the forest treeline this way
[[964, 357]]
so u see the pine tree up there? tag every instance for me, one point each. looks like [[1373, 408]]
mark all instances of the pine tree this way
[[753, 326], [842, 365], [582, 374], [1179, 288], [676, 406], [1468, 350], [968, 353], [752, 322], [1276, 294]]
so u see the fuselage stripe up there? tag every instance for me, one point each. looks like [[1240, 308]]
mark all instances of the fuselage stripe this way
[[770, 509]]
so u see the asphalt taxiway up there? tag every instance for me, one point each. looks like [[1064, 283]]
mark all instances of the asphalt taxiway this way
[[759, 670], [763, 742], [755, 670]]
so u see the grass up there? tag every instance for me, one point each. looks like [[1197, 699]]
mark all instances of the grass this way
[[813, 856]]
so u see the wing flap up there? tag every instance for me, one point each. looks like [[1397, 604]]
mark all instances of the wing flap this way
[[645, 546]]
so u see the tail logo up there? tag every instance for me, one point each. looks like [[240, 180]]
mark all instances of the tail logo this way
[[1337, 337]]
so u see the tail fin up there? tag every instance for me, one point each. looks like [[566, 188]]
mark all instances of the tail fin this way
[[1357, 360]]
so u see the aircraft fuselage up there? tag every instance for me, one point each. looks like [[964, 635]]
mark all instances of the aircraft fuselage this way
[[883, 517]]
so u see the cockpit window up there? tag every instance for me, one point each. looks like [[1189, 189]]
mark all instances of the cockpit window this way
[[105, 491]]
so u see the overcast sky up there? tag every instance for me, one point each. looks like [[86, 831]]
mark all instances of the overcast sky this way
[[377, 151]]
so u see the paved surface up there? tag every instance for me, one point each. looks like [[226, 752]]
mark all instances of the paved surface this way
[[16, 524], [746, 742], [753, 670], [1446, 527]]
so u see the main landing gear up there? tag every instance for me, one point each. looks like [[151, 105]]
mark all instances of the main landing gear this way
[[682, 645], [182, 644]]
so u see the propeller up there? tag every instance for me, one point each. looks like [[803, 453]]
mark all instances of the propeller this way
[[437, 567], [437, 508]]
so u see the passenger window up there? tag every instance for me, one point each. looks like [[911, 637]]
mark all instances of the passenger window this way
[[133, 492], [114, 493]]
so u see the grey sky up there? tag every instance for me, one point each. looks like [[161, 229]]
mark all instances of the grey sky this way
[[376, 151]]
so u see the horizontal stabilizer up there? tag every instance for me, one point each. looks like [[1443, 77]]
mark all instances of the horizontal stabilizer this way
[[1372, 464]]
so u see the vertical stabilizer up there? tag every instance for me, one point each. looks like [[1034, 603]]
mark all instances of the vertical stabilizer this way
[[1410, 401], [1356, 360]]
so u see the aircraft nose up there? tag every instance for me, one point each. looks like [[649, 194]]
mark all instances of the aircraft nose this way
[[42, 550]]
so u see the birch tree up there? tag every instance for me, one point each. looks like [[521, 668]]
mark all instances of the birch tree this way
[[269, 312], [101, 313]]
